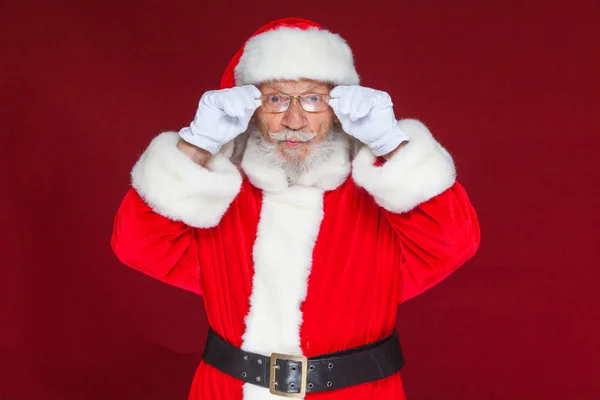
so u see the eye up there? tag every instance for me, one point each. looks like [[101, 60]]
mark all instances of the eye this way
[[274, 99], [314, 98]]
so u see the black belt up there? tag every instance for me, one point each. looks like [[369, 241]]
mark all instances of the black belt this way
[[294, 376]]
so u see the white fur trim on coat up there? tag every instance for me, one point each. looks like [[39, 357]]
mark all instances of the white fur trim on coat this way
[[420, 170], [289, 225], [293, 53], [179, 189]]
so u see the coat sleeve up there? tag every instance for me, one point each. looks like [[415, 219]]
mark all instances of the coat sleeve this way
[[429, 211], [164, 249], [155, 229]]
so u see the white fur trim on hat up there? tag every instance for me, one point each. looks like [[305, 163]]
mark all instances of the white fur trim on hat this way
[[419, 171], [177, 188], [292, 54]]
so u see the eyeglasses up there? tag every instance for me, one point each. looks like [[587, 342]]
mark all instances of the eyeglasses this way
[[311, 102]]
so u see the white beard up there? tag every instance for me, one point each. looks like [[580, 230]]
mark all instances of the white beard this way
[[293, 167]]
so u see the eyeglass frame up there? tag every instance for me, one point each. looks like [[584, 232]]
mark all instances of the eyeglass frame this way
[[294, 97]]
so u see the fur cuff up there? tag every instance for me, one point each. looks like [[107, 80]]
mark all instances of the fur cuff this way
[[179, 189], [422, 169]]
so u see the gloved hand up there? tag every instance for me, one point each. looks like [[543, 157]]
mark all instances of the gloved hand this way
[[222, 115], [368, 115]]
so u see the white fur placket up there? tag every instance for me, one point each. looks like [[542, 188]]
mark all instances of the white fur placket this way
[[287, 231], [289, 225]]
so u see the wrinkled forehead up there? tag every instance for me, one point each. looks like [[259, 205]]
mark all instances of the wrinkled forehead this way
[[296, 87]]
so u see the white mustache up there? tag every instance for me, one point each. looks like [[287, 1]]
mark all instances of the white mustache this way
[[293, 136]]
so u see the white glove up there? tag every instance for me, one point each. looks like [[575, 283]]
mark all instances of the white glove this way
[[222, 115], [368, 115]]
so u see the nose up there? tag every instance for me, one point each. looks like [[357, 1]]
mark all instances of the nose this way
[[293, 117]]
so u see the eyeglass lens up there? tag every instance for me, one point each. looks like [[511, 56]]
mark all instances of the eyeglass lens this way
[[312, 102]]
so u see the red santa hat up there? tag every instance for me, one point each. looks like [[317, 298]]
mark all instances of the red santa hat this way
[[291, 49]]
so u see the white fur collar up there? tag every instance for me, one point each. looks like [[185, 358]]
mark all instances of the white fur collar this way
[[327, 176]]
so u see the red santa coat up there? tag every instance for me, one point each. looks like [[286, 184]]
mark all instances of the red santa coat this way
[[308, 269]]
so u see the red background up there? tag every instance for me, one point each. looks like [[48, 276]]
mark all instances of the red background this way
[[509, 87]]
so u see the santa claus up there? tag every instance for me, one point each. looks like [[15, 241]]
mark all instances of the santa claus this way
[[303, 212]]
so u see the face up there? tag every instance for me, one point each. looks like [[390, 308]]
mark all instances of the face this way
[[295, 131]]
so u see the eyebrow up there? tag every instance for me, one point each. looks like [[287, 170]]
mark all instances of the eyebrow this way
[[280, 89]]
